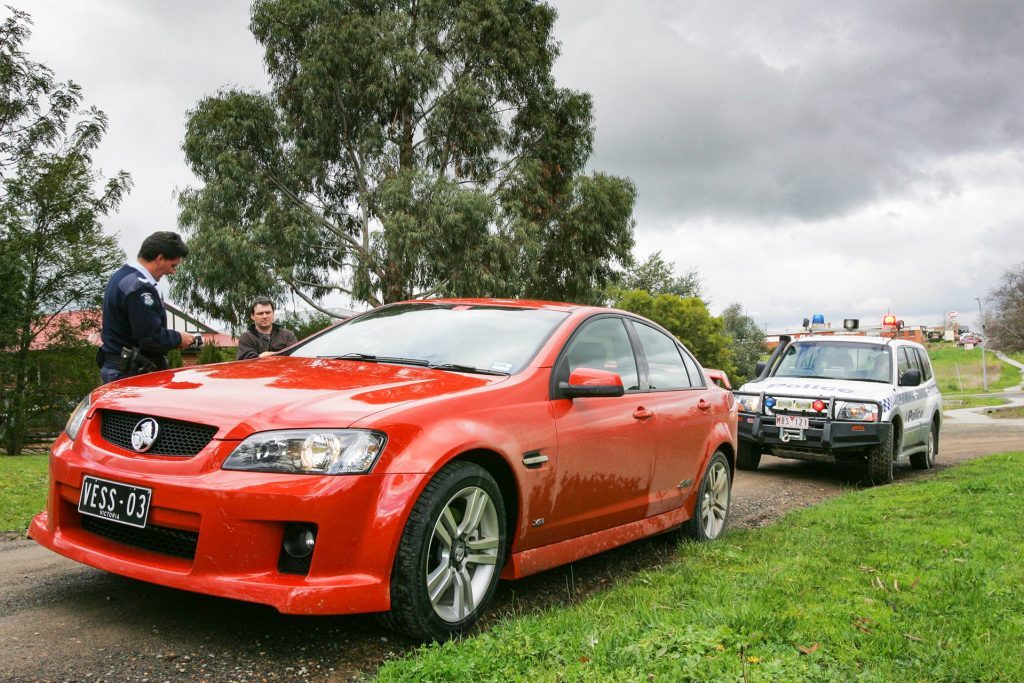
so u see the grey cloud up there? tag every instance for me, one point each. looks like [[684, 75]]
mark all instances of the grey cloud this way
[[793, 109]]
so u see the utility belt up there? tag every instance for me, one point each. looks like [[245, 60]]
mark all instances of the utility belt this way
[[130, 361]]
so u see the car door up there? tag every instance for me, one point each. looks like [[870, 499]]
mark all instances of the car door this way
[[680, 395], [606, 445], [911, 399]]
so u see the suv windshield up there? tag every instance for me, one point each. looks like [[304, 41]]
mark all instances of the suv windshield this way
[[466, 338], [836, 360]]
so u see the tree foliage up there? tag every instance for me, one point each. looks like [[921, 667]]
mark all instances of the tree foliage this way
[[690, 321], [1004, 319], [209, 353], [746, 341], [656, 276], [52, 201], [306, 324], [406, 149]]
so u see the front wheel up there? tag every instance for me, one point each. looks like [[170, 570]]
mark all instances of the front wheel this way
[[880, 459], [450, 555], [712, 508], [748, 457]]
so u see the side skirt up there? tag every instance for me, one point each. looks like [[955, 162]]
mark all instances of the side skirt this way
[[536, 560]]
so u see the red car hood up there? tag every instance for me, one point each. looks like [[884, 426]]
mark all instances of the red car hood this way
[[281, 392]]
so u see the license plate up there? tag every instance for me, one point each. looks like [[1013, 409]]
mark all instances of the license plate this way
[[121, 503], [792, 421]]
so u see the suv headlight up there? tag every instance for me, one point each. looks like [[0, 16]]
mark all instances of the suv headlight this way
[[860, 412], [74, 424], [749, 403], [308, 451]]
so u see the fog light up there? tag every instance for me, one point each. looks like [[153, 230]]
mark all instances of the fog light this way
[[299, 540]]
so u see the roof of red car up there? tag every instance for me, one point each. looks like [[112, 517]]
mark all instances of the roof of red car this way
[[515, 303]]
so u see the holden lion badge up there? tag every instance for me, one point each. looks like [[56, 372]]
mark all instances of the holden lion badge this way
[[144, 434]]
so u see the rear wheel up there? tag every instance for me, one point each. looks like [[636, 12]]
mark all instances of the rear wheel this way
[[926, 460], [748, 457], [450, 555], [880, 459], [712, 508]]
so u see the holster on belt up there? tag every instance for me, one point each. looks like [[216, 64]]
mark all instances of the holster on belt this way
[[133, 362]]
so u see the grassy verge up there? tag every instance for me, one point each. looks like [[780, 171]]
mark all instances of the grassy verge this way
[[959, 371], [917, 581], [22, 489], [972, 402], [1011, 413]]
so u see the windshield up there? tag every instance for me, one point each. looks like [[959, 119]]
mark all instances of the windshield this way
[[468, 338], [836, 360]]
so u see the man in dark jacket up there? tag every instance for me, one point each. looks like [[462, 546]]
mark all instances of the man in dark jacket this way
[[134, 320], [264, 337]]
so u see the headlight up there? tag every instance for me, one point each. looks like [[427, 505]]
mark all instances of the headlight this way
[[308, 451], [861, 412], [78, 417], [749, 403]]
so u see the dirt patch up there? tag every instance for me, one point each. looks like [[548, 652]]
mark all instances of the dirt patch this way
[[64, 621]]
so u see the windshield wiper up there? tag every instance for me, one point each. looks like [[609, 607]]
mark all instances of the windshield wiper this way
[[455, 367], [380, 359]]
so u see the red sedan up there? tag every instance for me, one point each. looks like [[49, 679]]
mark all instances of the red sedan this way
[[401, 462]]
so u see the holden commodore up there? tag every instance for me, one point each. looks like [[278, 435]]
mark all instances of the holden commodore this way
[[400, 462]]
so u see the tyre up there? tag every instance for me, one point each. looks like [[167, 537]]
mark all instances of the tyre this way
[[880, 459], [926, 460], [748, 457], [712, 508], [450, 555]]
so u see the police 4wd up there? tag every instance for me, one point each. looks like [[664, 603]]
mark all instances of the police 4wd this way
[[840, 398]]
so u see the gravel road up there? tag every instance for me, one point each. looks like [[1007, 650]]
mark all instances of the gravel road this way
[[61, 621]]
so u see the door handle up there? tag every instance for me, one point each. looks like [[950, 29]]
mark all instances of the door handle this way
[[703, 404], [642, 413]]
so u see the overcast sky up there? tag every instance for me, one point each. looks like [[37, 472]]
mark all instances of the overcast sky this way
[[846, 158]]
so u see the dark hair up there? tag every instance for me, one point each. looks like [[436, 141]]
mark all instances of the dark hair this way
[[261, 301], [164, 243]]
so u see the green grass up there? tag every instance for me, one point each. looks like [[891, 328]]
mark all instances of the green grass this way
[[948, 359], [972, 402], [912, 582], [1009, 413], [22, 489]]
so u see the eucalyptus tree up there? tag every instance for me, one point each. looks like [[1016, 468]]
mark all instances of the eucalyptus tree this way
[[54, 253], [405, 149], [1004, 317]]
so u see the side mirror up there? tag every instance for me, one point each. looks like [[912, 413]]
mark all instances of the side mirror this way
[[759, 368], [718, 377], [910, 378], [591, 383]]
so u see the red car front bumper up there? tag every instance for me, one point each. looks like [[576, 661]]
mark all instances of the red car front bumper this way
[[238, 520]]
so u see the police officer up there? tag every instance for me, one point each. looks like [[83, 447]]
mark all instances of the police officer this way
[[133, 313]]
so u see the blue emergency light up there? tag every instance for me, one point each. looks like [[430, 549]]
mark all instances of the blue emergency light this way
[[769, 402], [817, 319]]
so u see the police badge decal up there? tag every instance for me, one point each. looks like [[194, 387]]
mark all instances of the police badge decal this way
[[147, 298]]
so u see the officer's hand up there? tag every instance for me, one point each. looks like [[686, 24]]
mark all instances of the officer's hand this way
[[186, 340]]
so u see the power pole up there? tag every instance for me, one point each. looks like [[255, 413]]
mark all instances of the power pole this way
[[981, 321]]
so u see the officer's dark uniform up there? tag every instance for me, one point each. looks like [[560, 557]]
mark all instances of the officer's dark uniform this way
[[133, 317]]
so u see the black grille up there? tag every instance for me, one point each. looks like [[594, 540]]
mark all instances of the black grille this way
[[157, 539], [174, 437]]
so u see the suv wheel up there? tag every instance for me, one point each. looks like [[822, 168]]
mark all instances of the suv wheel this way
[[880, 459], [748, 457], [926, 460]]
